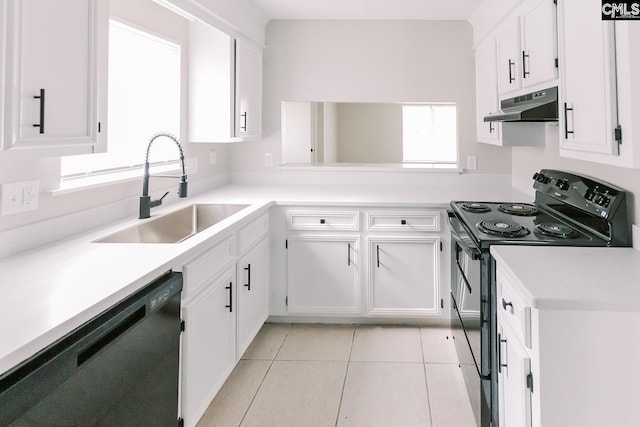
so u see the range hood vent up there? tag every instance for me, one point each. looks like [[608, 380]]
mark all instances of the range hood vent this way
[[539, 106]]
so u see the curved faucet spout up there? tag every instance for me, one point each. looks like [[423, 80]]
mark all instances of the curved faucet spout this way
[[145, 200]]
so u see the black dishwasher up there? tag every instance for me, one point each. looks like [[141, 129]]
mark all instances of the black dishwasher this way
[[120, 368]]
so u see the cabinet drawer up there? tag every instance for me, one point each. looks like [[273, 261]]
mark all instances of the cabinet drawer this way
[[323, 220], [252, 233], [206, 267], [409, 221], [512, 308]]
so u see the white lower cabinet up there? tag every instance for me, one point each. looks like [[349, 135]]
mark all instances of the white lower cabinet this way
[[395, 273], [404, 276], [252, 271], [564, 366], [225, 301], [208, 346], [323, 274], [513, 373]]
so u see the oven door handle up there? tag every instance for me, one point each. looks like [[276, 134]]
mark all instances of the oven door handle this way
[[463, 275], [457, 234]]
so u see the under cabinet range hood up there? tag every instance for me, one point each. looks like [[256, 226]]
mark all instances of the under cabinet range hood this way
[[539, 106]]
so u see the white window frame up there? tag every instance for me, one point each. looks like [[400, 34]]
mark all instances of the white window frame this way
[[133, 170], [454, 161]]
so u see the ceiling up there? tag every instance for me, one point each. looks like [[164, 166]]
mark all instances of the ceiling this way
[[367, 9]]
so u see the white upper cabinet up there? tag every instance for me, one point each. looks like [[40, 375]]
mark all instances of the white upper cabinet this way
[[55, 75], [487, 92], [587, 96], [589, 91], [527, 47], [225, 86], [539, 41], [248, 90], [508, 44]]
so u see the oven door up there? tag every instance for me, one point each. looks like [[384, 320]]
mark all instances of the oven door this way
[[470, 328]]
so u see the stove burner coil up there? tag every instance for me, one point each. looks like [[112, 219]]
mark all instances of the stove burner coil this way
[[518, 209], [502, 228], [556, 230], [475, 207]]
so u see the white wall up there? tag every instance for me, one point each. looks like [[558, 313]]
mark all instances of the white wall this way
[[369, 61], [370, 133]]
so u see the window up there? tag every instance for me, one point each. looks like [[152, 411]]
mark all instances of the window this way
[[429, 133], [143, 99]]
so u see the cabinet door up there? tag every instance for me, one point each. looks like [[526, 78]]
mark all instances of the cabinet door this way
[[211, 88], [514, 395], [248, 90], [487, 92], [539, 43], [253, 293], [508, 48], [404, 276], [587, 100], [208, 346], [56, 75], [322, 275]]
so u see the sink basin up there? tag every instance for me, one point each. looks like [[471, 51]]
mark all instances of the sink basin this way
[[174, 227]]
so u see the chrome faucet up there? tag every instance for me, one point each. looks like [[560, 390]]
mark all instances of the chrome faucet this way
[[145, 200]]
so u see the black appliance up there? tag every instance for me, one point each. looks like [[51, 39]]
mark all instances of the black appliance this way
[[568, 210], [120, 368]]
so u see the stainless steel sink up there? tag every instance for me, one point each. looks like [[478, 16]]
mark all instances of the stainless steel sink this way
[[174, 227]]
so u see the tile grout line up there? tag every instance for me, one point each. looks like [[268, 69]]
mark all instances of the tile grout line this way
[[346, 372], [253, 398], [426, 379]]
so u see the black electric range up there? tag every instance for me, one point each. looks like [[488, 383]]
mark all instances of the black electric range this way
[[568, 210]]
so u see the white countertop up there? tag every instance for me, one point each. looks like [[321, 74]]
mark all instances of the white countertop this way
[[49, 291], [566, 278]]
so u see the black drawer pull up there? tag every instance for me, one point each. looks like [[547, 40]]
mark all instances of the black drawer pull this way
[[506, 304], [248, 270], [230, 306], [41, 124], [403, 222], [322, 221]]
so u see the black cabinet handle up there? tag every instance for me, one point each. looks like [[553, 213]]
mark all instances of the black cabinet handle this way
[[403, 222], [566, 125], [230, 288], [378, 255], [511, 77], [525, 56], [500, 364], [506, 304], [491, 129], [41, 98], [243, 127], [322, 221], [248, 270], [348, 253]]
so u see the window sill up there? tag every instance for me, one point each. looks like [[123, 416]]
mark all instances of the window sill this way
[[91, 181], [372, 167]]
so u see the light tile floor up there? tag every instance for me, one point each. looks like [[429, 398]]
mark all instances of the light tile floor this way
[[316, 375]]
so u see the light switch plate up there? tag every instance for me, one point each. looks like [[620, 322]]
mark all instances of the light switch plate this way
[[18, 197]]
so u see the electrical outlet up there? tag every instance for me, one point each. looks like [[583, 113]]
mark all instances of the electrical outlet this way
[[472, 162], [18, 197], [268, 160], [213, 157]]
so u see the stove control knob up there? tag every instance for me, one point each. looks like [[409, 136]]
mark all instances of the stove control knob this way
[[541, 178], [562, 184]]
